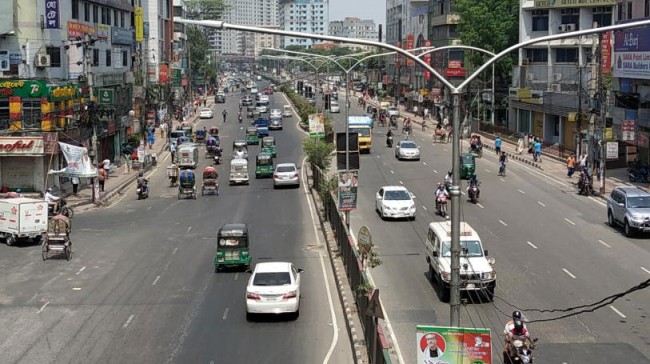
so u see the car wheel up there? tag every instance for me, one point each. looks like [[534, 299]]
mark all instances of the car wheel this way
[[431, 277], [610, 219], [249, 316], [627, 229], [489, 294], [381, 214]]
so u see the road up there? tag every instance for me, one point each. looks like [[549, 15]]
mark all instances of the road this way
[[552, 247], [141, 288]]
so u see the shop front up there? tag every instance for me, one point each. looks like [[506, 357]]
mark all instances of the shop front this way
[[24, 163]]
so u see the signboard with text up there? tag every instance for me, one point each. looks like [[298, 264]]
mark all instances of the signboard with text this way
[[51, 14], [347, 190], [632, 53], [612, 150], [21, 146], [316, 126], [556, 4], [453, 345], [106, 96]]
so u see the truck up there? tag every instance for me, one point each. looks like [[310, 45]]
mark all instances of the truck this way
[[476, 272], [362, 125], [22, 218]]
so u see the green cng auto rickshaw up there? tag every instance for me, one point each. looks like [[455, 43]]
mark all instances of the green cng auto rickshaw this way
[[264, 165], [268, 146], [467, 165], [251, 136], [232, 247]]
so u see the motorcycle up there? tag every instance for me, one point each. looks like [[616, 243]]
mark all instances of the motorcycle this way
[[441, 203], [389, 141], [473, 192], [521, 352], [585, 184], [61, 208], [637, 173], [154, 161], [142, 191]]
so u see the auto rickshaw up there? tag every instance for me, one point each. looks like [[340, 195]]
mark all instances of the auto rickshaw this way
[[264, 165], [476, 145], [250, 111], [268, 146], [187, 187], [467, 165], [239, 149], [210, 181], [211, 146], [251, 136], [232, 247], [239, 171], [187, 127], [213, 131], [200, 135]]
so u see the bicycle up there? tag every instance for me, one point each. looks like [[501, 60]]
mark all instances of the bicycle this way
[[502, 169]]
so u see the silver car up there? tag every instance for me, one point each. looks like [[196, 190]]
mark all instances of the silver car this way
[[407, 149], [286, 174], [630, 207]]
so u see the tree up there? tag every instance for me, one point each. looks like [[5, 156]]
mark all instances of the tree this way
[[492, 25], [199, 48]]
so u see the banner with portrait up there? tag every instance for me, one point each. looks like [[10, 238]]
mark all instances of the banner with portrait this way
[[453, 345], [78, 162], [348, 182], [316, 126]]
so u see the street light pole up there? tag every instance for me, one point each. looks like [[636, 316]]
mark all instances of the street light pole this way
[[454, 298], [91, 112]]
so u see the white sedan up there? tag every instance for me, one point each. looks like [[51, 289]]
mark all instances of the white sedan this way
[[276, 113], [392, 111], [407, 149], [273, 288], [395, 202], [206, 113], [286, 174], [334, 106]]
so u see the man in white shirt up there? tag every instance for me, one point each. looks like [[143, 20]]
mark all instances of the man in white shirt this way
[[107, 166], [51, 200]]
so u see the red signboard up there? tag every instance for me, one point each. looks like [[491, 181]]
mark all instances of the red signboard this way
[[454, 64], [21, 145], [454, 72], [410, 44], [163, 76], [606, 53], [427, 60]]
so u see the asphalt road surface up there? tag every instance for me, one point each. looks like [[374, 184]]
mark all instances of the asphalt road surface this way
[[141, 288], [553, 249]]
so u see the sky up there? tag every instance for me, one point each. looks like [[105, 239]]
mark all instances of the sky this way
[[364, 9]]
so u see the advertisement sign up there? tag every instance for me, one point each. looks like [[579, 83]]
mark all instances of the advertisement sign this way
[[51, 14], [316, 126], [410, 44], [347, 190], [163, 76], [139, 23], [453, 345], [103, 32], [454, 72], [632, 53], [106, 96], [612, 150], [628, 127], [606, 53], [77, 160], [76, 30], [557, 4], [24, 89], [427, 59], [121, 36], [21, 146], [51, 143]]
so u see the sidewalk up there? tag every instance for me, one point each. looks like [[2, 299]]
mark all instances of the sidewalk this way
[[549, 164], [119, 179]]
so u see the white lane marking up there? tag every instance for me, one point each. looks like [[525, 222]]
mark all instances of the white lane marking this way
[[445, 149], [434, 171], [225, 314], [604, 243], [617, 311], [236, 275], [76, 288], [598, 201], [175, 249], [43, 307], [155, 281], [645, 270], [569, 273], [522, 192], [569, 221], [128, 321], [462, 193], [487, 170], [531, 245], [378, 156], [540, 202], [479, 205], [392, 172], [400, 182], [502, 180], [81, 270], [503, 223], [189, 228], [425, 163], [149, 208], [424, 207], [316, 226]]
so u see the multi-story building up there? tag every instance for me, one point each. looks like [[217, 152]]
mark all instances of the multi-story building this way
[[54, 55], [308, 16], [158, 38], [555, 81], [180, 62], [354, 28]]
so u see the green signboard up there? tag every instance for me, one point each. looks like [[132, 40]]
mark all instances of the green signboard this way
[[106, 96], [176, 77], [24, 89]]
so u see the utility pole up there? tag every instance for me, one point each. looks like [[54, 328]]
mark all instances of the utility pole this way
[[603, 97], [454, 298], [91, 112], [579, 117], [593, 83]]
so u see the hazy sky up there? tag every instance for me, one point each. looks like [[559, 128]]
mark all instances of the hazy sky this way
[[364, 9]]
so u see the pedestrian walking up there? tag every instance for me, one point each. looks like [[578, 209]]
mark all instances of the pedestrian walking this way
[[151, 140], [570, 166], [537, 150], [172, 151], [582, 164], [497, 145], [102, 178], [205, 101], [163, 130], [520, 145], [107, 166], [75, 184]]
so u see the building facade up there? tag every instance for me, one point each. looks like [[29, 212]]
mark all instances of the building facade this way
[[354, 28], [309, 16]]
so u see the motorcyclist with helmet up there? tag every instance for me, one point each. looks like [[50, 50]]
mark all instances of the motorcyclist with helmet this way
[[441, 190], [473, 181], [389, 139], [515, 329], [142, 182]]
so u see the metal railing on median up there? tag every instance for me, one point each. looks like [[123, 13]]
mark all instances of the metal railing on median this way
[[378, 347]]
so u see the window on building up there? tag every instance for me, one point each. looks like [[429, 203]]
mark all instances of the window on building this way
[[32, 113], [108, 16], [620, 11], [540, 20], [453, 33], [95, 14], [87, 12], [646, 9], [125, 58], [55, 56], [103, 11], [122, 19], [115, 17], [602, 16], [571, 16], [75, 9], [566, 55], [95, 57], [629, 10], [537, 54], [108, 57]]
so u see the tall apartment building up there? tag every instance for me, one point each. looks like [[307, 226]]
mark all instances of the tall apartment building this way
[[554, 81], [309, 16], [263, 13], [158, 38], [354, 28]]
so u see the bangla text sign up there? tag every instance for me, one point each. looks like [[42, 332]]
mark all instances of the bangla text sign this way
[[632, 53], [572, 3]]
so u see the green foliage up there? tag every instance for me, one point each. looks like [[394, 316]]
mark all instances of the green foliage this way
[[326, 188], [364, 289], [318, 152], [369, 256]]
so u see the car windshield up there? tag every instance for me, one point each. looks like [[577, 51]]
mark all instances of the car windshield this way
[[397, 195], [231, 242], [392, 109], [272, 279], [206, 110], [282, 169], [364, 132], [408, 145], [467, 159], [639, 202], [468, 248]]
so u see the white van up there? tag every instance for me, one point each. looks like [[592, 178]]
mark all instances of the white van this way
[[476, 272]]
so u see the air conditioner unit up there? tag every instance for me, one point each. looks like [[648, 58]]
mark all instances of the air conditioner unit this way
[[556, 87], [530, 76], [562, 28], [570, 27], [43, 60], [557, 77], [525, 61], [456, 42]]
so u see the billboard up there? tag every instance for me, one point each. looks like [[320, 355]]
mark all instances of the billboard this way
[[632, 53], [316, 126], [347, 190], [453, 345]]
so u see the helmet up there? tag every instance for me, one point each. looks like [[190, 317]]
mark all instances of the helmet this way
[[449, 172], [516, 315], [439, 184], [519, 325], [503, 153], [17, 190], [141, 174]]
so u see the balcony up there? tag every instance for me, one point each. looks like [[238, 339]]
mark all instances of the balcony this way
[[557, 79], [444, 19]]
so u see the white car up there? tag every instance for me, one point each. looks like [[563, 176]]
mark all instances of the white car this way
[[407, 149], [286, 174], [275, 123], [206, 113], [334, 106], [392, 111], [276, 113], [395, 202], [261, 108], [264, 99], [273, 288], [254, 90]]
